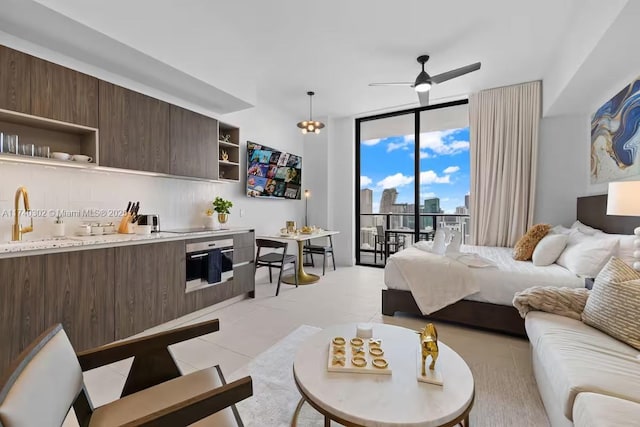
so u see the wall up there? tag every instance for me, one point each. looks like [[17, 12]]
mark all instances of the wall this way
[[563, 168], [179, 203]]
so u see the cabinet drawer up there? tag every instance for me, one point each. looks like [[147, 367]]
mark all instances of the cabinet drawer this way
[[242, 254]]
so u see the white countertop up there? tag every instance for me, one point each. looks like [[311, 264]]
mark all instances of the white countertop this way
[[74, 243]]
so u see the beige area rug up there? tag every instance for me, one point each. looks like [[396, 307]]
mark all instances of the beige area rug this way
[[505, 395]]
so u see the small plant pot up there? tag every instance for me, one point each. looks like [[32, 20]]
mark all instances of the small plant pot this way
[[223, 218]]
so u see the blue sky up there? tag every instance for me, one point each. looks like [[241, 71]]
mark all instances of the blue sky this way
[[444, 167]]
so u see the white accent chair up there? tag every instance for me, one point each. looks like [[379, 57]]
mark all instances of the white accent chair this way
[[46, 381]]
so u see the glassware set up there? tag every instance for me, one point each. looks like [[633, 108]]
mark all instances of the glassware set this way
[[9, 145]]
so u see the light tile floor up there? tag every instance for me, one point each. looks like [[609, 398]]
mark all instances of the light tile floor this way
[[250, 326]]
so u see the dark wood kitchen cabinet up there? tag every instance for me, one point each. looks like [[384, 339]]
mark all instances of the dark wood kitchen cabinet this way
[[80, 295], [193, 144], [149, 285], [15, 80], [63, 94], [21, 305], [134, 130]]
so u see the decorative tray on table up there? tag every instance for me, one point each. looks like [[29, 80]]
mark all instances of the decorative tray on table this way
[[358, 355]]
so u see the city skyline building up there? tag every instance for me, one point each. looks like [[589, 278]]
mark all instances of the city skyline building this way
[[366, 207]]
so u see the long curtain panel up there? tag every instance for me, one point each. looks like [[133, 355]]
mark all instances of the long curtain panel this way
[[504, 126]]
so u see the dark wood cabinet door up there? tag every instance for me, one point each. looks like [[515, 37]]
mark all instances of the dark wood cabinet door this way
[[21, 305], [150, 282], [134, 130], [193, 144], [63, 94], [15, 80], [80, 295]]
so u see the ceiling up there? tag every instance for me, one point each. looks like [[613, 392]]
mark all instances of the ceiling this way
[[280, 49]]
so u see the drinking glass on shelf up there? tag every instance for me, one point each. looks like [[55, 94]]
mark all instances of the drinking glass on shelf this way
[[10, 144], [42, 151], [26, 149], [3, 149]]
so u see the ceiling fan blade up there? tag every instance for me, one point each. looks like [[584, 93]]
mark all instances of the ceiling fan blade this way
[[455, 73], [392, 84], [424, 98]]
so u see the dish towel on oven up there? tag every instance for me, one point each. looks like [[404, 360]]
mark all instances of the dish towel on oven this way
[[435, 281], [214, 275]]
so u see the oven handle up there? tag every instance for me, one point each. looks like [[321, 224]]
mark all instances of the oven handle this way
[[198, 255], [226, 251]]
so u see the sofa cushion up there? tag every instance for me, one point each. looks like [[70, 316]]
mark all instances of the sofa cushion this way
[[580, 358], [614, 303], [596, 410]]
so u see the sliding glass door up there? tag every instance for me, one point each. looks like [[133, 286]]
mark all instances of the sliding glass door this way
[[412, 175]]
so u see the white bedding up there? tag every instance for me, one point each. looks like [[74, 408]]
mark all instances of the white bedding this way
[[497, 285]]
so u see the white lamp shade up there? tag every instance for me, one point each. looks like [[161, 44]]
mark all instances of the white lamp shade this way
[[624, 198]]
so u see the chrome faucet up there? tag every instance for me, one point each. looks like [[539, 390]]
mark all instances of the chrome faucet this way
[[18, 231]]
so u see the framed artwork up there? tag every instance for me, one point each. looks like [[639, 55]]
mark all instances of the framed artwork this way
[[615, 137], [272, 173]]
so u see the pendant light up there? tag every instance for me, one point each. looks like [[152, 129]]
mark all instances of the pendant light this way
[[310, 125]]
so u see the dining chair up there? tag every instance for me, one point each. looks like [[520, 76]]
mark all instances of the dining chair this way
[[46, 381], [320, 250], [275, 259]]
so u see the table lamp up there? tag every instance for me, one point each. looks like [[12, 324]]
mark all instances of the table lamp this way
[[624, 199]]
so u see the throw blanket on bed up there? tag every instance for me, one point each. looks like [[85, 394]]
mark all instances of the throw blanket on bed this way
[[417, 266], [568, 302]]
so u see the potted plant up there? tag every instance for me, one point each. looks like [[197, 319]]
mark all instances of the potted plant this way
[[222, 206]]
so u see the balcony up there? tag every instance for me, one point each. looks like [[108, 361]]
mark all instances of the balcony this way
[[399, 230]]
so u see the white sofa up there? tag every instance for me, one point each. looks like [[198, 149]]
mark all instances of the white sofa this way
[[585, 377]]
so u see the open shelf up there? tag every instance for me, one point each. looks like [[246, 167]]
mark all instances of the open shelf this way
[[229, 148], [58, 136]]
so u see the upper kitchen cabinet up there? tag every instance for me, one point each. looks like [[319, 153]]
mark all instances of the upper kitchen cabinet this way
[[14, 80], [194, 144], [63, 94], [134, 130]]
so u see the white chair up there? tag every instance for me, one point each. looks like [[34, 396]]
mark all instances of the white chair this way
[[46, 381]]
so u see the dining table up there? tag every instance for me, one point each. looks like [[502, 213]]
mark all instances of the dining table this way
[[304, 278]]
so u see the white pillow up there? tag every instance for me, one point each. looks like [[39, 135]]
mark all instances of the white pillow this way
[[586, 259], [560, 229], [574, 237], [625, 248], [585, 228], [549, 249]]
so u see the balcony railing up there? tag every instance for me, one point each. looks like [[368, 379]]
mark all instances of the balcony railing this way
[[403, 224]]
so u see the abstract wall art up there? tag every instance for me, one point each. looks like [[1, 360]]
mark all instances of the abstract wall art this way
[[615, 137]]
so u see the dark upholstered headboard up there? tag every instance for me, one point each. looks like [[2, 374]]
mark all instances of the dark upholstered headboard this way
[[592, 211]]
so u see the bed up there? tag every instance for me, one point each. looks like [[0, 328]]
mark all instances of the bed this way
[[491, 308]]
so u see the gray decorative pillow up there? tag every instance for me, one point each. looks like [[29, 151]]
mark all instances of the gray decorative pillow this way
[[614, 303]]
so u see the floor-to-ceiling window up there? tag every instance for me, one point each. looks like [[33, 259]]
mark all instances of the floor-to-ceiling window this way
[[412, 176]]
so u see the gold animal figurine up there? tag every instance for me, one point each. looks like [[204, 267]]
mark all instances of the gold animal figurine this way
[[224, 155], [429, 344]]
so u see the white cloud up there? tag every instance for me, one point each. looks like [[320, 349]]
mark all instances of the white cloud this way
[[430, 177], [428, 195], [392, 146], [371, 142], [451, 169], [425, 155], [440, 142], [395, 181], [365, 180]]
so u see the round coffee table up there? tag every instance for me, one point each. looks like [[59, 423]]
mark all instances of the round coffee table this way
[[358, 399]]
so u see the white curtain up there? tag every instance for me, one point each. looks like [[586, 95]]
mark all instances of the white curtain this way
[[504, 149]]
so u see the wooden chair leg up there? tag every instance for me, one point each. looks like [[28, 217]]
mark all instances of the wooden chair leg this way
[[333, 259], [279, 278], [324, 262], [270, 279]]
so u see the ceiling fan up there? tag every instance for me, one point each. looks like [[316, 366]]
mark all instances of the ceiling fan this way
[[424, 81]]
